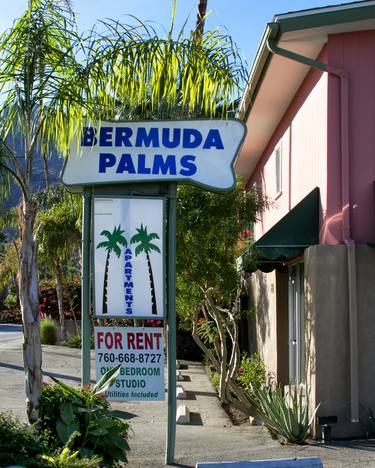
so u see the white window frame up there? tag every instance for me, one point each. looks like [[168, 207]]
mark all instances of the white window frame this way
[[278, 160]]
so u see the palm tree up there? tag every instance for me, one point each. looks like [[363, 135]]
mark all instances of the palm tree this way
[[114, 238], [143, 238], [201, 16]]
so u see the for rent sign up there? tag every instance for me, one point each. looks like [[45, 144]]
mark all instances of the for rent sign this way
[[196, 151], [140, 351]]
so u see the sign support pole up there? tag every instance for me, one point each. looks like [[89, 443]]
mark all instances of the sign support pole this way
[[85, 313], [171, 425]]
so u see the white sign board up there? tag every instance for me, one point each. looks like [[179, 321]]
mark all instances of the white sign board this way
[[129, 257], [140, 351], [201, 152]]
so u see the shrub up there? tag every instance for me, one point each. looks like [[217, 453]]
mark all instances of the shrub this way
[[19, 444], [10, 301], [252, 372], [75, 341], [284, 416], [48, 332], [48, 306], [10, 316], [85, 415], [68, 459]]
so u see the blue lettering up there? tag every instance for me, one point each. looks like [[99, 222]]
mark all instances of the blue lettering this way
[[129, 311], [105, 138], [213, 139], [144, 139], [192, 138], [128, 284], [106, 160], [142, 169], [125, 165], [122, 136], [128, 298], [128, 252], [167, 143], [88, 137], [128, 265], [189, 168], [164, 167]]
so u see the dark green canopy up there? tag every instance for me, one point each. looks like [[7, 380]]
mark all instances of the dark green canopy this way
[[291, 235]]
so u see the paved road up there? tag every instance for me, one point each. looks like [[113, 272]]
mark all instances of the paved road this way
[[10, 334], [210, 437]]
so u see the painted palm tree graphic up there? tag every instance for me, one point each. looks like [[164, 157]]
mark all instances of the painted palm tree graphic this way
[[112, 244], [143, 238]]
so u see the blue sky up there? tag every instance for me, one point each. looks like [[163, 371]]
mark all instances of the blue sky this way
[[244, 20]]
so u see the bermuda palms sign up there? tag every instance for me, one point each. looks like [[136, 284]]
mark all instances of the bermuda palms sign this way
[[143, 238], [129, 282]]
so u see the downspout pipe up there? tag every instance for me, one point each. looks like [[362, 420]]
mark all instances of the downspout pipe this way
[[345, 202]]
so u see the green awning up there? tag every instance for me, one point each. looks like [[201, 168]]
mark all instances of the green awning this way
[[291, 235]]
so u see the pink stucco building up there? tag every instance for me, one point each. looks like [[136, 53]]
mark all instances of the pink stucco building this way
[[309, 108]]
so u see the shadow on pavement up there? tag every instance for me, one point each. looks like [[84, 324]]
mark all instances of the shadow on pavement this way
[[352, 444], [195, 419], [181, 466], [45, 373]]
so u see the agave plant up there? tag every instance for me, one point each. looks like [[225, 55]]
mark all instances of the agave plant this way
[[287, 416]]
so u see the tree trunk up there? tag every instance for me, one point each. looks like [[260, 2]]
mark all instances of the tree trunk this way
[[199, 27], [59, 293], [105, 285], [154, 309], [29, 302]]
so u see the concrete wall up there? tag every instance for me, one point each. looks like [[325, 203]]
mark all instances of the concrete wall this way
[[327, 333], [327, 345], [263, 326]]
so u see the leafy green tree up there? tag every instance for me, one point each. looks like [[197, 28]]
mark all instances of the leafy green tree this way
[[59, 236], [114, 238], [143, 238], [209, 226], [53, 81]]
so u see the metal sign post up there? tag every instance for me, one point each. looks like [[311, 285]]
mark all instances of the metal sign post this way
[[85, 282], [171, 423]]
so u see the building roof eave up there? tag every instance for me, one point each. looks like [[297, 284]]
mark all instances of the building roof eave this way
[[272, 85]]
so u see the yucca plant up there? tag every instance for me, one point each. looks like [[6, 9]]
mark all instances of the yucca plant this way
[[287, 416]]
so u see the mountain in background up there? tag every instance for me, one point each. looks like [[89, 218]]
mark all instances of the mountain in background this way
[[55, 164]]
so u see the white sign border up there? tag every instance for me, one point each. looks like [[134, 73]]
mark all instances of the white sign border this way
[[77, 188], [133, 316]]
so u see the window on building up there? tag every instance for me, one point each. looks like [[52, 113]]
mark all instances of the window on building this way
[[278, 169], [296, 299]]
